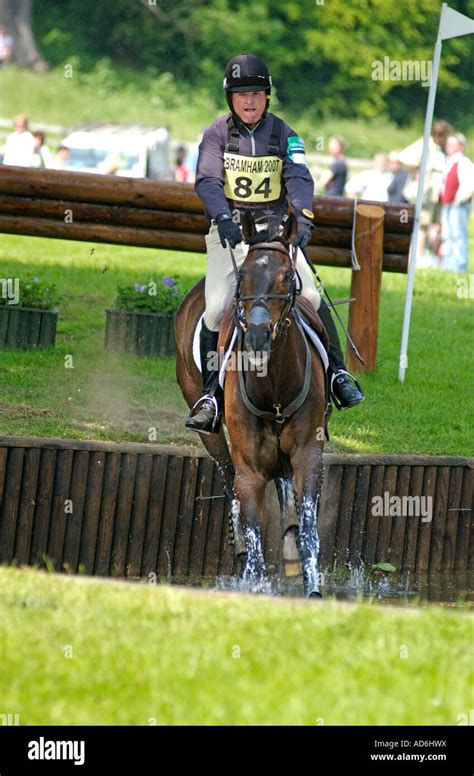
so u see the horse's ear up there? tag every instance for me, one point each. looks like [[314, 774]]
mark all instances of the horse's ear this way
[[248, 226], [290, 229]]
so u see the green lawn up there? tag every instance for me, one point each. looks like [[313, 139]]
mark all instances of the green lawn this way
[[87, 651], [121, 398]]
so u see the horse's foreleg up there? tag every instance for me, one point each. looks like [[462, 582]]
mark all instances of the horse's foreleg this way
[[216, 446], [289, 523], [308, 480], [249, 489]]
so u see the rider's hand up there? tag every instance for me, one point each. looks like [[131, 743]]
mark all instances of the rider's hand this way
[[229, 231], [303, 236]]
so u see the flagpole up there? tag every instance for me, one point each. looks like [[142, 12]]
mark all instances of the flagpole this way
[[419, 199]]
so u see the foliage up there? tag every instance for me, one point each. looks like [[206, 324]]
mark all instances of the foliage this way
[[34, 293], [320, 53], [156, 296]]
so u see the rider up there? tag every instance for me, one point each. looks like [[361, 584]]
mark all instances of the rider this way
[[251, 159]]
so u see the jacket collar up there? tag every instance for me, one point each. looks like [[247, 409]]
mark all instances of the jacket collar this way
[[242, 125]]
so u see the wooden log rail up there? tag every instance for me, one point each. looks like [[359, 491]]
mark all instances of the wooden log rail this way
[[151, 214]]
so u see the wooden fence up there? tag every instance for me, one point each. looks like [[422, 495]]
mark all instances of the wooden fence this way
[[156, 214], [133, 509]]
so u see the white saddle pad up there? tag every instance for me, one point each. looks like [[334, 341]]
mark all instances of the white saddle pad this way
[[197, 354], [314, 339]]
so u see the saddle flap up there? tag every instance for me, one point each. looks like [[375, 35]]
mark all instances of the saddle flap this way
[[311, 316], [226, 329]]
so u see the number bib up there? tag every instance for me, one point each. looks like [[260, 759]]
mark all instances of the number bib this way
[[252, 179]]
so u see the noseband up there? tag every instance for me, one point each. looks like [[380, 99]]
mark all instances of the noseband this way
[[260, 300]]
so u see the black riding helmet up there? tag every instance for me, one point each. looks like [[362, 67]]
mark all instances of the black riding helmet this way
[[247, 73]]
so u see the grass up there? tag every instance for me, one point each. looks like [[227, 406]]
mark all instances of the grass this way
[[121, 397], [110, 653]]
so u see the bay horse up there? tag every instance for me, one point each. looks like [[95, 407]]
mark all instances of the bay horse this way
[[276, 423]]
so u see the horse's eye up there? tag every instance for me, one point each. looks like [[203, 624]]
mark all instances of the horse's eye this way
[[288, 276]]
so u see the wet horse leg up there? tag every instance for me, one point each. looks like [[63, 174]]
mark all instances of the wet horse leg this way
[[216, 446], [249, 489], [289, 523], [308, 468]]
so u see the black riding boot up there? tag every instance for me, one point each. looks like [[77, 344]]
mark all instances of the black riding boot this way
[[205, 415], [345, 389]]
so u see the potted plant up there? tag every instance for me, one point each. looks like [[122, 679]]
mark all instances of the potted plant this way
[[142, 319], [28, 316]]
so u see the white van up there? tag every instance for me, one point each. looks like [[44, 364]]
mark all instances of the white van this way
[[132, 151]]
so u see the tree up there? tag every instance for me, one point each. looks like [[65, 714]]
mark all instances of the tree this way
[[16, 15]]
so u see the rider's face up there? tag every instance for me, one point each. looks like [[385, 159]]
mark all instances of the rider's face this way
[[249, 106]]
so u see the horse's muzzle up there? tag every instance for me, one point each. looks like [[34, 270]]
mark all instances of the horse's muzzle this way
[[258, 339]]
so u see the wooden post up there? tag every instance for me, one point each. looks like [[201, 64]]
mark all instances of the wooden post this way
[[365, 286]]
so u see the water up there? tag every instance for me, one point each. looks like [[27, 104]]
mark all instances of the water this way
[[396, 588]]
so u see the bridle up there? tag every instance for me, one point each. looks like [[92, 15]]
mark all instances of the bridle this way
[[260, 300]]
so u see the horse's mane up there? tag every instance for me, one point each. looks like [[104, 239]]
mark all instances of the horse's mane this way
[[264, 236]]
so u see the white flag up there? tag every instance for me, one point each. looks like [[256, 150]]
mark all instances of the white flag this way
[[454, 24]]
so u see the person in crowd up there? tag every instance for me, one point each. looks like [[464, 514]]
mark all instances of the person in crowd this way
[[42, 156], [333, 180], [455, 199], [6, 46], [181, 173], [398, 179], [191, 159], [20, 144], [371, 184], [61, 158], [430, 219]]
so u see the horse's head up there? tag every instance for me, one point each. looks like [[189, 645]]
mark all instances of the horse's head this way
[[267, 285]]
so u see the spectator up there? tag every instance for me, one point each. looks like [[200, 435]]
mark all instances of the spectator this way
[[455, 198], [333, 180], [6, 46], [111, 164], [191, 159], [398, 179], [20, 144], [42, 156], [371, 184], [430, 218], [181, 173], [61, 158]]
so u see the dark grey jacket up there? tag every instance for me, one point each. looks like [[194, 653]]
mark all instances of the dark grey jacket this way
[[298, 185]]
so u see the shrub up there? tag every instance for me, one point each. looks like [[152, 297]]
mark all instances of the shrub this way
[[32, 292], [156, 296]]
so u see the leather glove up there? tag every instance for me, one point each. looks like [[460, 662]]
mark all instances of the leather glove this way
[[230, 232], [303, 236]]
